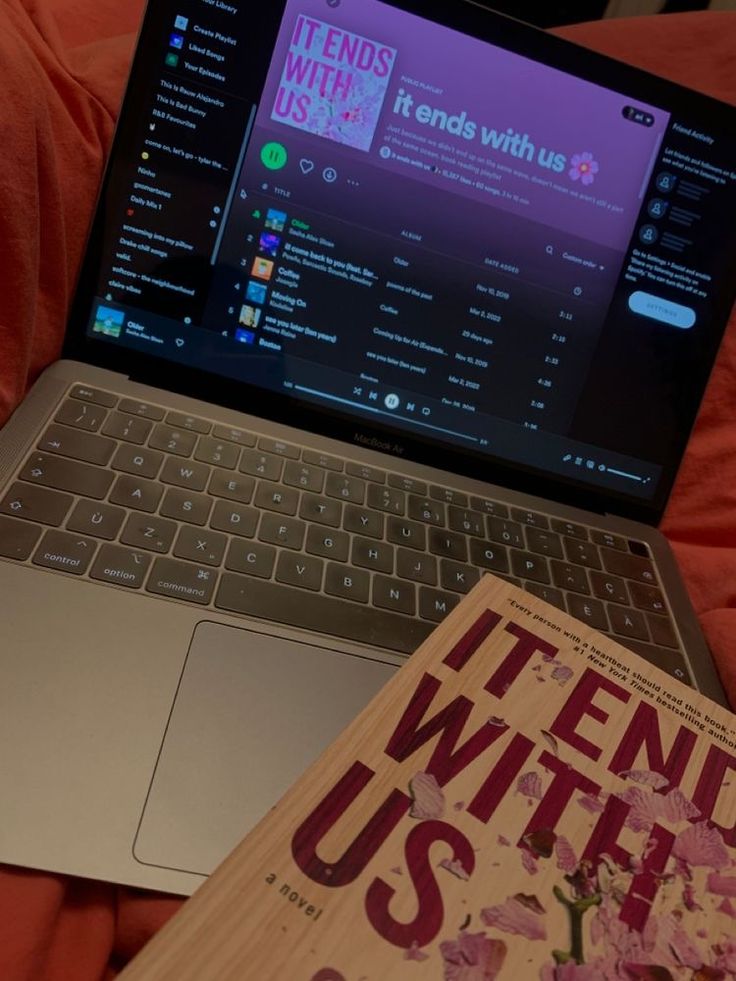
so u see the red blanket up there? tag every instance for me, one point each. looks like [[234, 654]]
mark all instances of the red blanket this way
[[63, 64]]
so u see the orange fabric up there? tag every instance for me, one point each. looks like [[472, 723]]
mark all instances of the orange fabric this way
[[63, 64]]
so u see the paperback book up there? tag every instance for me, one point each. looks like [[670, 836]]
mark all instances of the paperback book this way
[[525, 799]]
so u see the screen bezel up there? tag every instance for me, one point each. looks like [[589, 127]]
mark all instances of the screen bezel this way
[[473, 19]]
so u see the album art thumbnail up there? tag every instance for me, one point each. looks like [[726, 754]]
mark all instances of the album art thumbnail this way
[[108, 322], [249, 316], [256, 292], [276, 220]]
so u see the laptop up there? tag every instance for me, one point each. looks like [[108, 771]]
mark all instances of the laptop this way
[[379, 298]]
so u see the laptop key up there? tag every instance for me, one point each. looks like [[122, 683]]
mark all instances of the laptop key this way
[[629, 566], [350, 489], [88, 394], [93, 518], [419, 568], [571, 577], [628, 622], [252, 558], [65, 552], [261, 464], [486, 506], [149, 532], [216, 452], [582, 553], [493, 557], [138, 460], [279, 448], [394, 594], [192, 424], [313, 611], [366, 473], [324, 460], [183, 506], [531, 518], [448, 544], [176, 441], [328, 543], [610, 588], [363, 522], [386, 499], [530, 566], [570, 529], [590, 611], [610, 540], [370, 554], [304, 477], [458, 578], [231, 486], [434, 604], [647, 598], [81, 415], [123, 566], [142, 409], [185, 473], [544, 542], [410, 534], [320, 509], [200, 545], [409, 484], [282, 500], [466, 522], [508, 532], [549, 594], [670, 661], [180, 580], [278, 530], [449, 496], [77, 445], [299, 570], [133, 492], [67, 475], [131, 429], [232, 435], [236, 518], [348, 582], [36, 504], [426, 510], [17, 538], [662, 631]]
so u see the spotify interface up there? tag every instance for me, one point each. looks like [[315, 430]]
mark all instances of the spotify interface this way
[[419, 229]]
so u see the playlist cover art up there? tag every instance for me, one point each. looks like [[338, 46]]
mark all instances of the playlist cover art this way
[[333, 83]]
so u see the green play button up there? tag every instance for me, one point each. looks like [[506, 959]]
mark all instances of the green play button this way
[[274, 156]]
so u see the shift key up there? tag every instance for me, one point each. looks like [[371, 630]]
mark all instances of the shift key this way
[[67, 475]]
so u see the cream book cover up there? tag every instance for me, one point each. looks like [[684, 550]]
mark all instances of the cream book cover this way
[[525, 799]]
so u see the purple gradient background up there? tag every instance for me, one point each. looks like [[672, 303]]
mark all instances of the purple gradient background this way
[[498, 89]]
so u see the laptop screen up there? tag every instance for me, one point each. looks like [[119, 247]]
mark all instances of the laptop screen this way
[[472, 238]]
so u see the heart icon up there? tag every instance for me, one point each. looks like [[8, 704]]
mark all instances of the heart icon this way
[[307, 166], [179, 342]]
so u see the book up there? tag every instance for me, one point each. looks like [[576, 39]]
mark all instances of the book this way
[[524, 799]]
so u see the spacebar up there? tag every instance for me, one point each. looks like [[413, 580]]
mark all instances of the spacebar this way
[[299, 608]]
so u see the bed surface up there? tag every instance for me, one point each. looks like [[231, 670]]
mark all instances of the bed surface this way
[[63, 65]]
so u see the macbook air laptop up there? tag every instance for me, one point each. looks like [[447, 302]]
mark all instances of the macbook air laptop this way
[[379, 297]]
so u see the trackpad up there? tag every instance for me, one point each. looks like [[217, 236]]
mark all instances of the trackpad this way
[[250, 715]]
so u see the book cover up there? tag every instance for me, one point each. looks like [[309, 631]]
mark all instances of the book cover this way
[[524, 799], [333, 83]]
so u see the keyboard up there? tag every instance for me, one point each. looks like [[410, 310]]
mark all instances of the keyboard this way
[[143, 498]]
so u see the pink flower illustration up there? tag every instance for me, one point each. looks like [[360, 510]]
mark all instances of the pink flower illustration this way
[[583, 168], [472, 957]]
